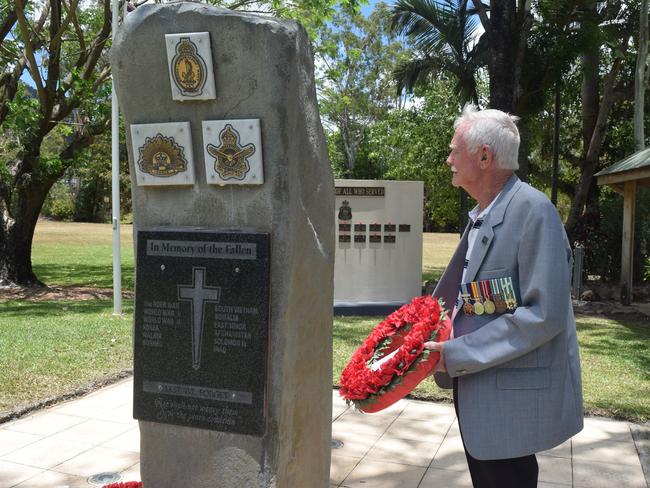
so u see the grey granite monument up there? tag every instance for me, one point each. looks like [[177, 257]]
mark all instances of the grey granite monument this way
[[233, 200]]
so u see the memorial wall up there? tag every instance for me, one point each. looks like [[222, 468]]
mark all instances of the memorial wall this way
[[378, 263]]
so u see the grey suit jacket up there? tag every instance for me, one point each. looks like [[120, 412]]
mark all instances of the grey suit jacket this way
[[519, 381]]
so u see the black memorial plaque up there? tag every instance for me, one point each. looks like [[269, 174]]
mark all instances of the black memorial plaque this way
[[389, 239], [389, 227], [374, 238], [344, 237], [404, 227], [375, 227], [201, 329], [345, 227], [359, 227], [359, 238]]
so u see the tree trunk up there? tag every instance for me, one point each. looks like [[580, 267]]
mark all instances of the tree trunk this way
[[503, 49], [589, 95], [350, 143], [556, 142], [639, 78], [21, 208], [594, 148], [17, 232], [524, 150]]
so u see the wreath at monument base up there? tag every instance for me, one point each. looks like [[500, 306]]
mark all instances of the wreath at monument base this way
[[392, 360]]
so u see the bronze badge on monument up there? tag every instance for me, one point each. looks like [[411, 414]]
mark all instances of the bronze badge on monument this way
[[233, 152], [161, 156], [189, 57], [188, 68], [230, 157]]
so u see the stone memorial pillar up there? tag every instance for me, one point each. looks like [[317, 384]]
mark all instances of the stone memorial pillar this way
[[233, 200]]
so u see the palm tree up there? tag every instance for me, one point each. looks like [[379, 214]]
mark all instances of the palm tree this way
[[445, 36]]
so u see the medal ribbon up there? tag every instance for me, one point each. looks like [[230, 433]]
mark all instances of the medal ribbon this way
[[463, 289], [485, 288], [494, 285], [503, 285], [511, 292], [506, 286], [476, 294]]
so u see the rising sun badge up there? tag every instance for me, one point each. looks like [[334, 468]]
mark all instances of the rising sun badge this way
[[230, 157], [161, 156]]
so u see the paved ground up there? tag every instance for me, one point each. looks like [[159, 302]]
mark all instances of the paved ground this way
[[411, 445]]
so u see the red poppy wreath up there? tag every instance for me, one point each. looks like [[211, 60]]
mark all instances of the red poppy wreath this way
[[392, 360]]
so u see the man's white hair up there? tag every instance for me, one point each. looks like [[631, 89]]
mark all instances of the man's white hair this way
[[495, 128]]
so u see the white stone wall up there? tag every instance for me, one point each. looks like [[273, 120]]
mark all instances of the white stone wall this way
[[371, 272]]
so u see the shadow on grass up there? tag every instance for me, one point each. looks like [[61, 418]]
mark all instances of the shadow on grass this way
[[353, 329], [432, 273], [615, 353], [618, 336], [22, 308], [83, 275]]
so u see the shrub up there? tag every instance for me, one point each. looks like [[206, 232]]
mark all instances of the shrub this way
[[59, 204]]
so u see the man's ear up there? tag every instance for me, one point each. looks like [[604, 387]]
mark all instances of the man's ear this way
[[485, 156]]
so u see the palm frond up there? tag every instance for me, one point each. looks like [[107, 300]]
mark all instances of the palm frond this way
[[444, 34], [416, 72]]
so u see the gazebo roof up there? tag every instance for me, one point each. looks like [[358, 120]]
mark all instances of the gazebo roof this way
[[634, 167]]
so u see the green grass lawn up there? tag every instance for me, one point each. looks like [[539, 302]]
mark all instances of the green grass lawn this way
[[80, 254], [51, 348]]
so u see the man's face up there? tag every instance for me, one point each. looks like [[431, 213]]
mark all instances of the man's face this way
[[463, 164]]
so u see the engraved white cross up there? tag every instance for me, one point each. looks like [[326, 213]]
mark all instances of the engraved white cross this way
[[198, 294]]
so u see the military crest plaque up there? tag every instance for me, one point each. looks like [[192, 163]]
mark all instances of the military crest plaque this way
[[163, 154], [233, 152], [189, 57]]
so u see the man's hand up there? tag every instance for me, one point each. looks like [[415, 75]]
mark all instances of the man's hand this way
[[440, 347]]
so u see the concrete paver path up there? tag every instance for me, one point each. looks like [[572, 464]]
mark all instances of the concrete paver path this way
[[413, 444]]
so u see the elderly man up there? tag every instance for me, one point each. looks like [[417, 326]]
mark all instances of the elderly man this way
[[513, 360]]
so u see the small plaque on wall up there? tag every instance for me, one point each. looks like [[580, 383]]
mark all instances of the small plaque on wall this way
[[162, 154], [233, 152], [389, 227], [359, 238], [345, 227], [344, 237], [389, 239], [404, 227], [345, 211], [375, 238], [189, 57], [359, 227], [375, 227]]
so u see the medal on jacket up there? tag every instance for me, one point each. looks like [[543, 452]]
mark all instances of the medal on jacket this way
[[508, 290], [488, 304], [499, 303], [467, 307], [476, 295], [512, 294]]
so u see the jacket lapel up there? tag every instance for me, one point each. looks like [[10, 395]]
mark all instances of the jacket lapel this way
[[447, 288], [486, 232]]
